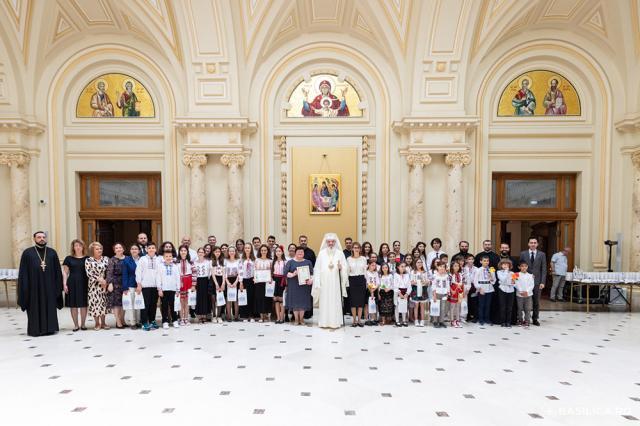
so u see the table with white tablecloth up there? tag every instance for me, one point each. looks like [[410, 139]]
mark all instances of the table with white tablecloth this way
[[605, 281]]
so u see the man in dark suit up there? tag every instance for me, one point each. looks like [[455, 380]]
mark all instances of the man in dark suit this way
[[537, 262]]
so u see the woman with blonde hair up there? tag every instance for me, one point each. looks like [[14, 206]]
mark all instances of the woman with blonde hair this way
[[75, 283], [96, 267]]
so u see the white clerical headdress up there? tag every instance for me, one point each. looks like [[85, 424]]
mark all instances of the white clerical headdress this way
[[331, 236]]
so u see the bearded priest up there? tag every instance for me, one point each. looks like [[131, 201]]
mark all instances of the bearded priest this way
[[330, 281]]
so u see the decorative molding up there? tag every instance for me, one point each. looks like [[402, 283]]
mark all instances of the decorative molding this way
[[365, 181], [630, 123], [22, 125], [283, 183], [191, 159], [635, 159], [233, 159], [432, 123], [12, 159], [457, 159], [185, 124], [418, 159]]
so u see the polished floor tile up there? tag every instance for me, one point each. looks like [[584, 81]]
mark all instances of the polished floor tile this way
[[576, 369]]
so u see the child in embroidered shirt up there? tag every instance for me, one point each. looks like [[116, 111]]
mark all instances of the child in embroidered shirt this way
[[372, 278], [402, 289], [188, 277], [385, 294], [524, 292], [440, 285], [419, 292], [506, 281], [168, 279], [456, 294], [470, 294], [483, 281], [233, 278]]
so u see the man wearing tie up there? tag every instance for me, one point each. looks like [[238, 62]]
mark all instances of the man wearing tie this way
[[537, 262]]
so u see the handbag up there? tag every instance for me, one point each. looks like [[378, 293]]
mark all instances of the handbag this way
[[232, 294], [126, 302], [270, 289], [176, 302], [402, 306], [434, 309], [242, 298], [464, 308], [372, 305], [138, 301], [192, 298], [220, 299]]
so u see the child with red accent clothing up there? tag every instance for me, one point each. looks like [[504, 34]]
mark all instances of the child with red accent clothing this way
[[456, 294], [188, 277]]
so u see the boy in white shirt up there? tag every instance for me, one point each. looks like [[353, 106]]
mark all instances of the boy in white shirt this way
[[524, 293], [168, 281], [146, 279], [483, 281]]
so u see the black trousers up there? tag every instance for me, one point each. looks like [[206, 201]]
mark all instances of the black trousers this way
[[472, 308], [506, 306], [249, 310], [167, 305], [536, 303], [150, 296], [495, 313]]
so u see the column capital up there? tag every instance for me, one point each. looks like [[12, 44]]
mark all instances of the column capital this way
[[232, 159], [14, 158], [635, 159], [194, 160], [418, 159], [457, 159]]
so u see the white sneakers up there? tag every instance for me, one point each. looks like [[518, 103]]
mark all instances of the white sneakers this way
[[165, 325], [176, 324]]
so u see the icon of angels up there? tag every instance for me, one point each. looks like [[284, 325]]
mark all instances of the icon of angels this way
[[324, 190], [324, 95], [115, 95]]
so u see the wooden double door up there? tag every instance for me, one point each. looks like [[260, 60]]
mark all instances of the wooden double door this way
[[116, 207]]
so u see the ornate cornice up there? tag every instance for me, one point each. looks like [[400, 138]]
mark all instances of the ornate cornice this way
[[419, 159], [21, 125], [187, 124], [630, 123], [457, 159], [435, 123], [233, 159], [14, 158], [194, 160]]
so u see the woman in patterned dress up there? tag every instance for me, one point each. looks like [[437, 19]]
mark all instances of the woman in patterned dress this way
[[96, 267], [114, 284]]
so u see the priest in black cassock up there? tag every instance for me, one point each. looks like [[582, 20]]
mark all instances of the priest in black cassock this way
[[40, 287]]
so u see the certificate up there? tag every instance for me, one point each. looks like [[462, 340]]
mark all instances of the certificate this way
[[263, 275], [303, 274]]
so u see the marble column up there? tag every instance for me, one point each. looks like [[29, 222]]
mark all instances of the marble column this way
[[456, 161], [415, 220], [235, 210], [635, 215], [20, 206], [198, 197]]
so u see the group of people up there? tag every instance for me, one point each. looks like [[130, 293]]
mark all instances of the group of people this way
[[261, 282]]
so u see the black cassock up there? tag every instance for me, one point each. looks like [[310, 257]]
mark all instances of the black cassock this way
[[40, 292]]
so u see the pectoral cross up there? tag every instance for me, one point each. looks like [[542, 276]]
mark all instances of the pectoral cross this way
[[331, 265], [43, 265]]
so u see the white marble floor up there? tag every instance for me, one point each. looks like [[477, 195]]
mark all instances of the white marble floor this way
[[575, 369]]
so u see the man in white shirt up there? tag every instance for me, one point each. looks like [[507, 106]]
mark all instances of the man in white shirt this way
[[559, 266], [436, 245]]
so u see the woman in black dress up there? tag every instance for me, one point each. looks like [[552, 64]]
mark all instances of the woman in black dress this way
[[114, 284], [298, 296], [76, 283]]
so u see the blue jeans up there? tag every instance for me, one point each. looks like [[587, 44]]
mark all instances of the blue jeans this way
[[484, 307]]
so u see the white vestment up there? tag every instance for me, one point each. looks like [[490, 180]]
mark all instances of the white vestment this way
[[330, 283]]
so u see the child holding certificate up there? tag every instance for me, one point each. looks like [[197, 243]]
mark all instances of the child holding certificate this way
[[456, 294], [232, 280], [402, 289], [279, 263], [262, 280], [440, 285], [419, 291], [373, 283], [385, 294]]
